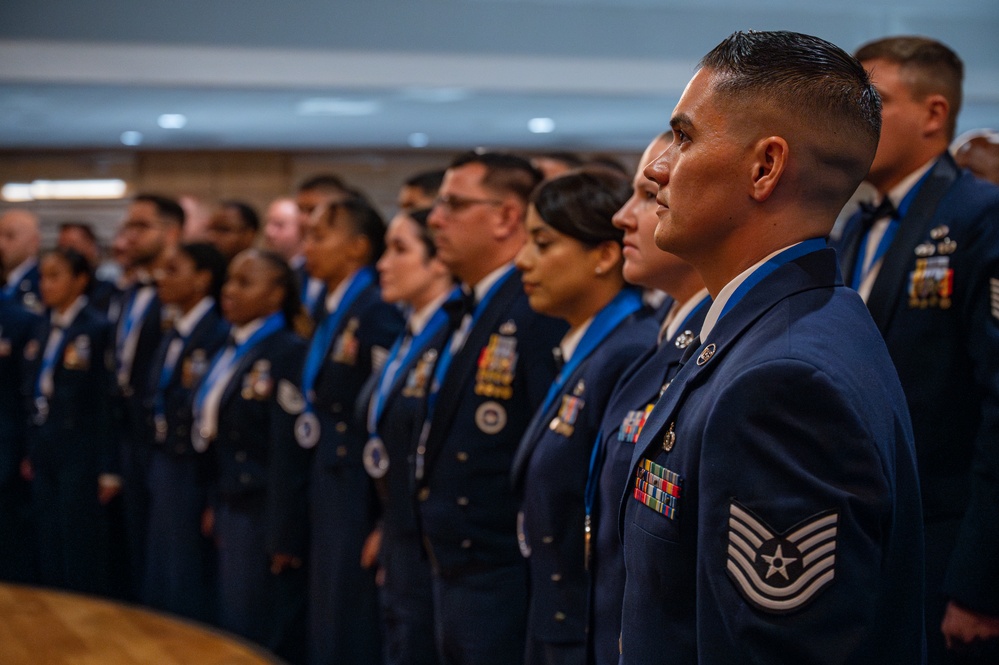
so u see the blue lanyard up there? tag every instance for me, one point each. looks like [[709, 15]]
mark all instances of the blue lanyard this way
[[887, 238], [132, 316], [324, 334], [440, 371], [416, 346], [271, 325], [49, 359], [625, 303], [765, 270]]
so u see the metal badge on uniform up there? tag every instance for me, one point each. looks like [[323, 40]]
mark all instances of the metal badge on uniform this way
[[31, 350], [994, 296], [346, 347], [290, 398], [378, 356], [631, 426], [376, 458], [946, 246], [684, 339], [497, 365], [31, 302], [490, 417], [77, 353], [657, 487], [939, 232], [565, 422], [706, 354], [193, 368], [780, 572], [307, 429], [419, 377], [508, 328], [258, 384], [926, 249], [669, 438], [931, 284]]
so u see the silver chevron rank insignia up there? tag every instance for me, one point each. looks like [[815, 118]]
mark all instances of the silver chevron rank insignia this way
[[780, 573]]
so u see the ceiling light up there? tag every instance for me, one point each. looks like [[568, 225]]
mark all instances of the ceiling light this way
[[172, 120], [541, 125], [419, 140], [131, 138], [73, 190], [337, 106]]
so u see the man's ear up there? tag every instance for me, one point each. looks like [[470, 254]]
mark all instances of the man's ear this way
[[937, 113], [511, 218], [770, 157]]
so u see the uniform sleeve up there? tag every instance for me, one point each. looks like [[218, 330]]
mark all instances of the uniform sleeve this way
[[972, 576], [794, 510], [287, 491]]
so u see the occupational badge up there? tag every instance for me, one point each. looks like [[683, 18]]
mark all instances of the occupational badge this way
[[780, 572], [77, 353], [290, 398], [490, 417], [258, 384], [419, 377], [194, 367]]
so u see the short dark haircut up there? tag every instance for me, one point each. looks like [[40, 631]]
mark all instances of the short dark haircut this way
[[326, 182], [206, 256], [929, 68], [570, 159], [247, 214], [428, 182], [608, 162], [505, 172], [581, 203], [83, 227], [166, 207], [364, 220], [814, 81], [77, 263]]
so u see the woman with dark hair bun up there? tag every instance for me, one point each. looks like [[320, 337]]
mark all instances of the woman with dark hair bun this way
[[244, 413], [180, 574], [70, 455], [571, 268], [356, 329]]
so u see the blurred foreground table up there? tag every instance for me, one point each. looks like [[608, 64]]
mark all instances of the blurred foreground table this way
[[56, 628]]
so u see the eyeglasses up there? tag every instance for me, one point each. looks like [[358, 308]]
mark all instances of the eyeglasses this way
[[454, 204]]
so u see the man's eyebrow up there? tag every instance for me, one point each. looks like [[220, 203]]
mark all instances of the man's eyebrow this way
[[680, 120]]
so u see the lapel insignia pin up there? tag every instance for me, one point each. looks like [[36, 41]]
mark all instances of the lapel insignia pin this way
[[926, 249], [684, 339], [706, 354]]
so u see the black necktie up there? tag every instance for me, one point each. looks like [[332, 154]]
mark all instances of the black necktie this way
[[871, 213], [559, 359]]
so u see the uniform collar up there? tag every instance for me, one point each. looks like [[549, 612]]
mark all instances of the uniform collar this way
[[418, 320], [18, 273], [482, 287], [186, 323], [66, 318]]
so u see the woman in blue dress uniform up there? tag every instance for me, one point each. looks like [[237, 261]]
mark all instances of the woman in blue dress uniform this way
[[571, 268], [244, 415], [180, 572], [342, 243], [70, 451], [411, 275], [636, 392]]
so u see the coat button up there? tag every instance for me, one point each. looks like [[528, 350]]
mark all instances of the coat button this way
[[462, 500], [560, 616], [466, 544], [547, 540], [245, 478], [240, 456], [336, 408], [461, 456], [556, 577], [341, 427], [341, 451], [423, 494]]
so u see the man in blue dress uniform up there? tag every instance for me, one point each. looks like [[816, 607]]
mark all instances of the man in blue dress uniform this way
[[19, 242], [926, 261], [489, 379], [772, 512]]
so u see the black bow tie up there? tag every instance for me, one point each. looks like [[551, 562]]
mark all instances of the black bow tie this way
[[870, 213], [458, 307]]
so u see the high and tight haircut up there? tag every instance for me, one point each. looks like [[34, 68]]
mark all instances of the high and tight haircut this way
[[166, 207], [799, 74], [364, 221], [505, 172], [206, 256], [428, 182], [581, 203], [247, 214], [927, 66]]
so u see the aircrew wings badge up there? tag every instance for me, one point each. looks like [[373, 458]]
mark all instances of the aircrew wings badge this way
[[780, 573]]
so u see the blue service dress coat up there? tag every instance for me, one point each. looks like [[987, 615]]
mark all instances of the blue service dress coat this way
[[550, 470], [25, 291], [466, 503], [637, 391], [180, 575], [406, 594], [773, 512], [343, 597], [18, 326], [936, 303], [70, 444], [260, 482]]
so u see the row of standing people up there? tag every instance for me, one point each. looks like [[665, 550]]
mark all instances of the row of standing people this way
[[496, 468]]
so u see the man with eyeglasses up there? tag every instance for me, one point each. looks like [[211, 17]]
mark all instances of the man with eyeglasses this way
[[488, 381]]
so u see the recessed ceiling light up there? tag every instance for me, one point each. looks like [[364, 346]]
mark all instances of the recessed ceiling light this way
[[131, 138], [172, 120], [337, 106], [419, 140], [541, 125]]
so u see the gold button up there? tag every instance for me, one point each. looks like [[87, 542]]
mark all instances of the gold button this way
[[423, 494], [341, 427], [341, 451], [560, 616], [462, 500], [462, 456], [547, 540], [465, 544], [556, 577]]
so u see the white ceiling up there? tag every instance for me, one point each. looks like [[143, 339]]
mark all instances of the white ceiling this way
[[375, 72]]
